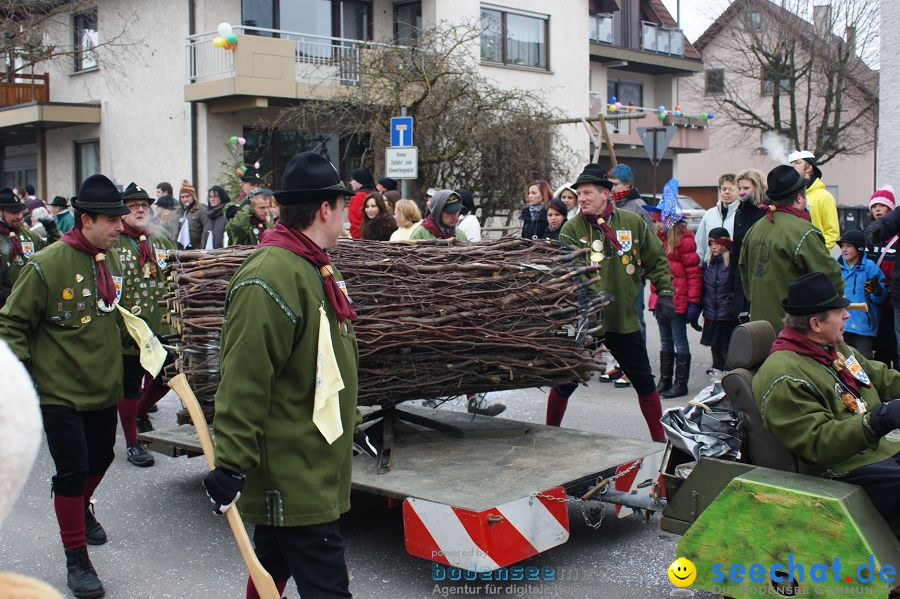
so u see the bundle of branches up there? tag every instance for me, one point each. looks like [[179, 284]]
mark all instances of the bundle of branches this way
[[437, 319]]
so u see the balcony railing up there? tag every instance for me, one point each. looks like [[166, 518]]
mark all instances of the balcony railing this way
[[601, 28], [24, 88], [319, 58], [662, 39], [692, 134]]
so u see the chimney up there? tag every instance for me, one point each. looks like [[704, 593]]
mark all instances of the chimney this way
[[850, 38], [822, 20]]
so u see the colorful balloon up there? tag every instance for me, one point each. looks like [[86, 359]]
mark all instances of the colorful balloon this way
[[618, 105], [232, 39], [611, 108], [225, 29], [243, 169], [238, 172], [233, 139], [228, 45], [256, 165], [241, 140], [709, 115], [218, 42], [661, 108], [612, 100]]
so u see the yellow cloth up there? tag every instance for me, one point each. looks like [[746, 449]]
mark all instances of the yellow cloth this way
[[153, 355], [823, 212], [327, 407]]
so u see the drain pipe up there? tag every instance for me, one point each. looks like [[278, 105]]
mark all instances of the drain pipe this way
[[192, 29]]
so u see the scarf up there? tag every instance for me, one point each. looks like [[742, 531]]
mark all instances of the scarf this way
[[106, 287], [298, 243], [14, 243], [436, 229], [145, 253], [791, 340], [620, 195], [789, 210], [601, 222]]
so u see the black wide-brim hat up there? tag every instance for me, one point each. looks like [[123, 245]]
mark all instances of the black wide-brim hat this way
[[251, 176], [854, 237], [10, 202], [784, 182], [59, 202], [135, 192], [310, 177], [812, 293], [98, 195], [595, 174]]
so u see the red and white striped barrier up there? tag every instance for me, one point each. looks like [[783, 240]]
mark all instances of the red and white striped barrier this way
[[486, 540], [640, 481]]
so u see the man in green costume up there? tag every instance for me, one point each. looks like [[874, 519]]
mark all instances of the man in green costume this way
[[18, 243], [252, 220], [781, 247], [286, 404], [826, 403], [142, 250], [61, 321]]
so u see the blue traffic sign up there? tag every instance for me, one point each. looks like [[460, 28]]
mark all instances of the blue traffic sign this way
[[401, 131]]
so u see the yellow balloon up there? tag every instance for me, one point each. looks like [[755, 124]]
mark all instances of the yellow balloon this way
[[219, 42]]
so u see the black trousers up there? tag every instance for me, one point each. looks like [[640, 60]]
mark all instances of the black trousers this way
[[313, 555], [630, 351], [133, 376], [80, 443], [881, 482]]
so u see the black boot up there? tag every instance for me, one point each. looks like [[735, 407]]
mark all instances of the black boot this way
[[666, 366], [82, 578], [682, 372], [93, 532], [478, 406]]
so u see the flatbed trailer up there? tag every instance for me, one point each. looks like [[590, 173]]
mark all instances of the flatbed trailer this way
[[484, 493]]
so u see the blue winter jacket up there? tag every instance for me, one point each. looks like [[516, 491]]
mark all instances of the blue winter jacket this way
[[715, 287], [863, 323]]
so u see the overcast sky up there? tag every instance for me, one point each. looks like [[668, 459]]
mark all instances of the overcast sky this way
[[696, 15]]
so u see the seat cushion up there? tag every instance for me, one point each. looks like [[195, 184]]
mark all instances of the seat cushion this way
[[750, 344]]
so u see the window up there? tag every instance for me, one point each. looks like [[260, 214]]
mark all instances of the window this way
[[626, 92], [346, 19], [513, 38], [715, 81], [768, 77], [407, 21], [87, 160], [754, 21], [86, 40]]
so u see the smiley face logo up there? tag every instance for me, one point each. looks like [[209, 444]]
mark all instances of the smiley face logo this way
[[682, 572]]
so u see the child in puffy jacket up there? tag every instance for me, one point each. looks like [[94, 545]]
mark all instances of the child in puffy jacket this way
[[675, 352], [718, 321], [863, 283]]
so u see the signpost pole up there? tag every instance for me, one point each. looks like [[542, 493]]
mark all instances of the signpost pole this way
[[403, 188], [655, 163]]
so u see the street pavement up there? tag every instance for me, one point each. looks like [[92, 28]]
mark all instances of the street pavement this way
[[165, 542]]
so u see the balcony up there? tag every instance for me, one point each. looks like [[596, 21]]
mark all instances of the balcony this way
[[600, 28], [662, 39], [691, 133], [25, 106], [269, 63], [661, 50]]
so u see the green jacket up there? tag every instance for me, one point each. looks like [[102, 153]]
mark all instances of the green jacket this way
[[421, 232], [798, 402], [52, 322], [775, 253], [621, 274], [143, 295], [244, 229], [264, 403], [31, 243], [65, 221]]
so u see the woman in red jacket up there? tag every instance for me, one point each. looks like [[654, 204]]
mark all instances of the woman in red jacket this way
[[687, 279]]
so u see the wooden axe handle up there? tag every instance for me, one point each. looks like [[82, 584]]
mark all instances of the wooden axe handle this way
[[262, 580], [861, 307]]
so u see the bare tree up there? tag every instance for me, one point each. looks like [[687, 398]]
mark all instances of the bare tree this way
[[27, 42], [470, 133], [787, 70]]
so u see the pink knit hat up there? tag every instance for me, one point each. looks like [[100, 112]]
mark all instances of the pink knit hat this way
[[884, 196]]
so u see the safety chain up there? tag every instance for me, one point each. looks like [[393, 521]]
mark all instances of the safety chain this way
[[587, 512]]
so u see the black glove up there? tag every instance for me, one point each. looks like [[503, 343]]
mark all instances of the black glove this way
[[362, 444], [885, 418], [693, 314], [224, 488], [665, 308], [873, 286], [230, 211]]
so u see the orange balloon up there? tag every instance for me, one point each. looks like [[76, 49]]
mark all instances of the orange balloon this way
[[227, 45]]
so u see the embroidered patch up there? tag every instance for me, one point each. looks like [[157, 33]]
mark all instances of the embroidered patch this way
[[624, 239], [161, 257], [856, 369]]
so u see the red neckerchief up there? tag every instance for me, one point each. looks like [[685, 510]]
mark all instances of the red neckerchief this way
[[295, 241], [145, 253], [618, 195], [601, 221], [14, 243], [789, 210], [106, 287], [431, 226], [791, 340]]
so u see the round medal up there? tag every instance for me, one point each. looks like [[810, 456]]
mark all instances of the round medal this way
[[597, 246], [625, 260], [629, 269], [136, 310], [596, 256]]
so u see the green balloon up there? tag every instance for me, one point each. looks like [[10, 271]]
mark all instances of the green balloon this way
[[233, 139], [232, 39]]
